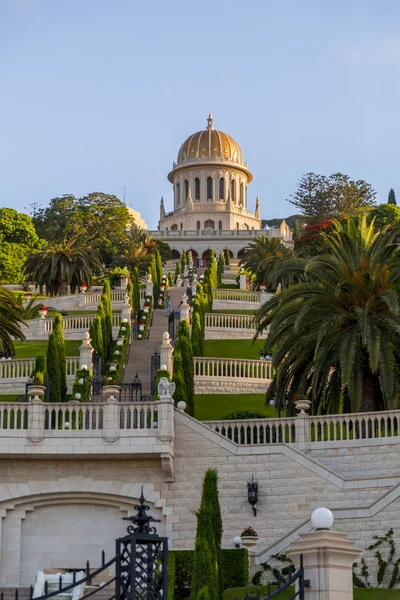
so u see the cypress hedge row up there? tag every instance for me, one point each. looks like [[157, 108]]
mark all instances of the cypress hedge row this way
[[184, 368], [56, 370], [101, 329]]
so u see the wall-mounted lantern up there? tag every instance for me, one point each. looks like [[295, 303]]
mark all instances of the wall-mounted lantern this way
[[252, 493]]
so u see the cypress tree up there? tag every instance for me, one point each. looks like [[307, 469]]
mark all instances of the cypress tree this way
[[98, 338], [210, 499], [62, 363], [227, 257], [183, 260], [40, 364], [177, 271], [212, 269], [93, 334], [107, 308], [170, 281], [136, 290], [159, 267], [197, 338], [220, 270], [180, 391], [391, 197], [53, 370], [185, 347]]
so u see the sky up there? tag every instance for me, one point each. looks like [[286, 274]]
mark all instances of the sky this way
[[98, 95]]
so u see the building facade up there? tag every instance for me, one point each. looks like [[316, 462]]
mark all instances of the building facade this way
[[210, 179]]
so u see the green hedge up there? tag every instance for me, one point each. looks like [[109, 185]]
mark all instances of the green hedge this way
[[235, 570]]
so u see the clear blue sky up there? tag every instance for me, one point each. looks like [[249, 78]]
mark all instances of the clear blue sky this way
[[99, 94]]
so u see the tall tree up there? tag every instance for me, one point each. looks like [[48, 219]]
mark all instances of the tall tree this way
[[262, 256], [62, 363], [53, 372], [391, 197], [319, 197], [337, 332]]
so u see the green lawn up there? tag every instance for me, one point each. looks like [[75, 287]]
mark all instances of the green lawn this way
[[8, 397], [233, 348], [212, 407], [359, 594], [234, 312], [31, 348]]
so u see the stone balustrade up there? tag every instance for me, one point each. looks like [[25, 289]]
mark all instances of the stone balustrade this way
[[236, 295], [74, 326], [257, 431], [95, 297], [357, 426], [226, 327], [232, 368], [15, 373]]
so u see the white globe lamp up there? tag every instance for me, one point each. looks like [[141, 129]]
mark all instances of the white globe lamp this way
[[322, 518], [237, 541], [272, 402]]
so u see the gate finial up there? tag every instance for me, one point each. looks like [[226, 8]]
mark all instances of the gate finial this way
[[141, 520]]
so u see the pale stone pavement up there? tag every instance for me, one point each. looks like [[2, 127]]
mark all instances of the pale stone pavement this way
[[141, 351]]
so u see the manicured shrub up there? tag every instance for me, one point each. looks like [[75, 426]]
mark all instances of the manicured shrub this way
[[197, 335], [62, 363], [159, 267], [177, 271], [170, 281], [184, 260], [40, 364], [210, 502], [227, 257], [184, 345], [205, 562], [180, 389], [53, 371], [243, 414], [135, 290], [220, 269]]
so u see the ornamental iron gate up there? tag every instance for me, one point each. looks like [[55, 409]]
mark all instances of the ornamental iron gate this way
[[295, 578], [173, 323], [141, 567]]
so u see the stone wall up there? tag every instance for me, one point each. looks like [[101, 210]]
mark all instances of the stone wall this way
[[360, 484], [229, 386]]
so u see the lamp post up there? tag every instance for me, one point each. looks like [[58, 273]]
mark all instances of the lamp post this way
[[252, 493]]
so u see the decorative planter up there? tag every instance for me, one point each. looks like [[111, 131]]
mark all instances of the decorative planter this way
[[141, 327], [28, 297], [263, 288], [37, 391], [111, 391], [146, 309], [302, 406], [42, 313], [248, 541]]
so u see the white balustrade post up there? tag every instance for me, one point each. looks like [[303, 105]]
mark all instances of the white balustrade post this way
[[166, 351], [86, 352], [36, 414], [149, 286], [184, 308], [243, 281], [194, 284], [328, 564], [302, 425], [124, 282], [166, 426], [111, 414], [179, 281], [263, 297], [126, 309]]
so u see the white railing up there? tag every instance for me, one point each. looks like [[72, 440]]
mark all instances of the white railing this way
[[257, 431], [236, 295], [79, 322], [333, 428], [23, 368], [230, 321], [232, 368], [66, 417], [143, 416], [95, 297]]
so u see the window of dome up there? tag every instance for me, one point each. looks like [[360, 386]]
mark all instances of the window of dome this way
[[220, 225], [197, 189], [222, 189], [209, 188], [174, 227], [186, 184], [233, 190], [209, 224], [198, 226]]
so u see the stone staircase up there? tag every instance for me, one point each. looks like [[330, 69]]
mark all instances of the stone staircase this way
[[141, 351]]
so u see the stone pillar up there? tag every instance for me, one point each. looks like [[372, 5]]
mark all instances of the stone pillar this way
[[303, 434], [184, 308], [166, 426], [166, 351], [86, 352], [126, 309], [179, 281], [194, 284], [263, 298], [149, 286], [111, 414], [243, 281], [36, 414], [328, 564], [124, 282]]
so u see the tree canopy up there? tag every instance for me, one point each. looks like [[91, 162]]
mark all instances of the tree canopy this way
[[17, 240], [319, 197]]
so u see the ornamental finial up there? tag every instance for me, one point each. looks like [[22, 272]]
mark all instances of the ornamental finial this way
[[141, 520], [210, 121]]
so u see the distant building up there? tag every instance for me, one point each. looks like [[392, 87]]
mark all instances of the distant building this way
[[210, 180], [138, 219]]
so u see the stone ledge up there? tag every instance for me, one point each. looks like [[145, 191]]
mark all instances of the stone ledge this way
[[229, 386]]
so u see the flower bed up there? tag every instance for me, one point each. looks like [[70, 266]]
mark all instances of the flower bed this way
[[161, 293], [82, 387], [118, 354], [145, 318]]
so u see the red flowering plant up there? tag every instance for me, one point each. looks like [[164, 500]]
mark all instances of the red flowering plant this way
[[249, 532], [43, 307]]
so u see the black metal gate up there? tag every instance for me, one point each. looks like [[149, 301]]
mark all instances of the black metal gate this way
[[141, 567], [132, 392], [155, 365], [173, 323], [296, 579]]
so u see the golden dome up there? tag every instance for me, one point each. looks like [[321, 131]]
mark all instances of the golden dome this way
[[210, 143], [209, 146]]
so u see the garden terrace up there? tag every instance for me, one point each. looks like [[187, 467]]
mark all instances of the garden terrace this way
[[228, 326], [73, 326], [14, 373]]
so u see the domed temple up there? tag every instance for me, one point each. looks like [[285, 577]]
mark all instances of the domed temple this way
[[210, 179]]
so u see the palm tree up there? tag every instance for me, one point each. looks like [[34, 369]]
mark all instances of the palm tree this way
[[29, 309], [262, 256], [336, 334], [10, 321], [57, 267], [138, 249]]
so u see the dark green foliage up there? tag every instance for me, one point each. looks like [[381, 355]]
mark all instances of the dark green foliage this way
[[234, 566], [210, 502], [197, 335], [384, 214], [136, 290], [97, 336], [184, 345], [243, 414], [62, 363], [180, 388], [170, 279], [53, 371], [205, 561], [160, 373], [171, 575], [40, 364], [280, 572], [184, 260], [227, 257], [159, 267], [177, 271], [220, 269], [84, 388], [384, 542], [116, 275], [391, 197], [203, 594]]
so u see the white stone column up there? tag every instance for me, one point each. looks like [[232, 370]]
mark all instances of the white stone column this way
[[126, 309], [36, 414], [243, 281], [166, 351], [86, 352], [194, 284], [111, 414], [328, 564], [124, 282], [303, 434], [184, 308], [149, 286]]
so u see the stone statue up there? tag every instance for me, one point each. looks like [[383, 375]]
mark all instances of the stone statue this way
[[148, 277], [165, 388]]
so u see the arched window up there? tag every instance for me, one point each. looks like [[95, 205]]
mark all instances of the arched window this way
[[209, 188], [197, 189], [178, 194], [174, 227], [237, 225], [209, 224], [233, 190], [220, 225], [198, 226], [186, 190], [241, 194], [181, 226], [222, 189]]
